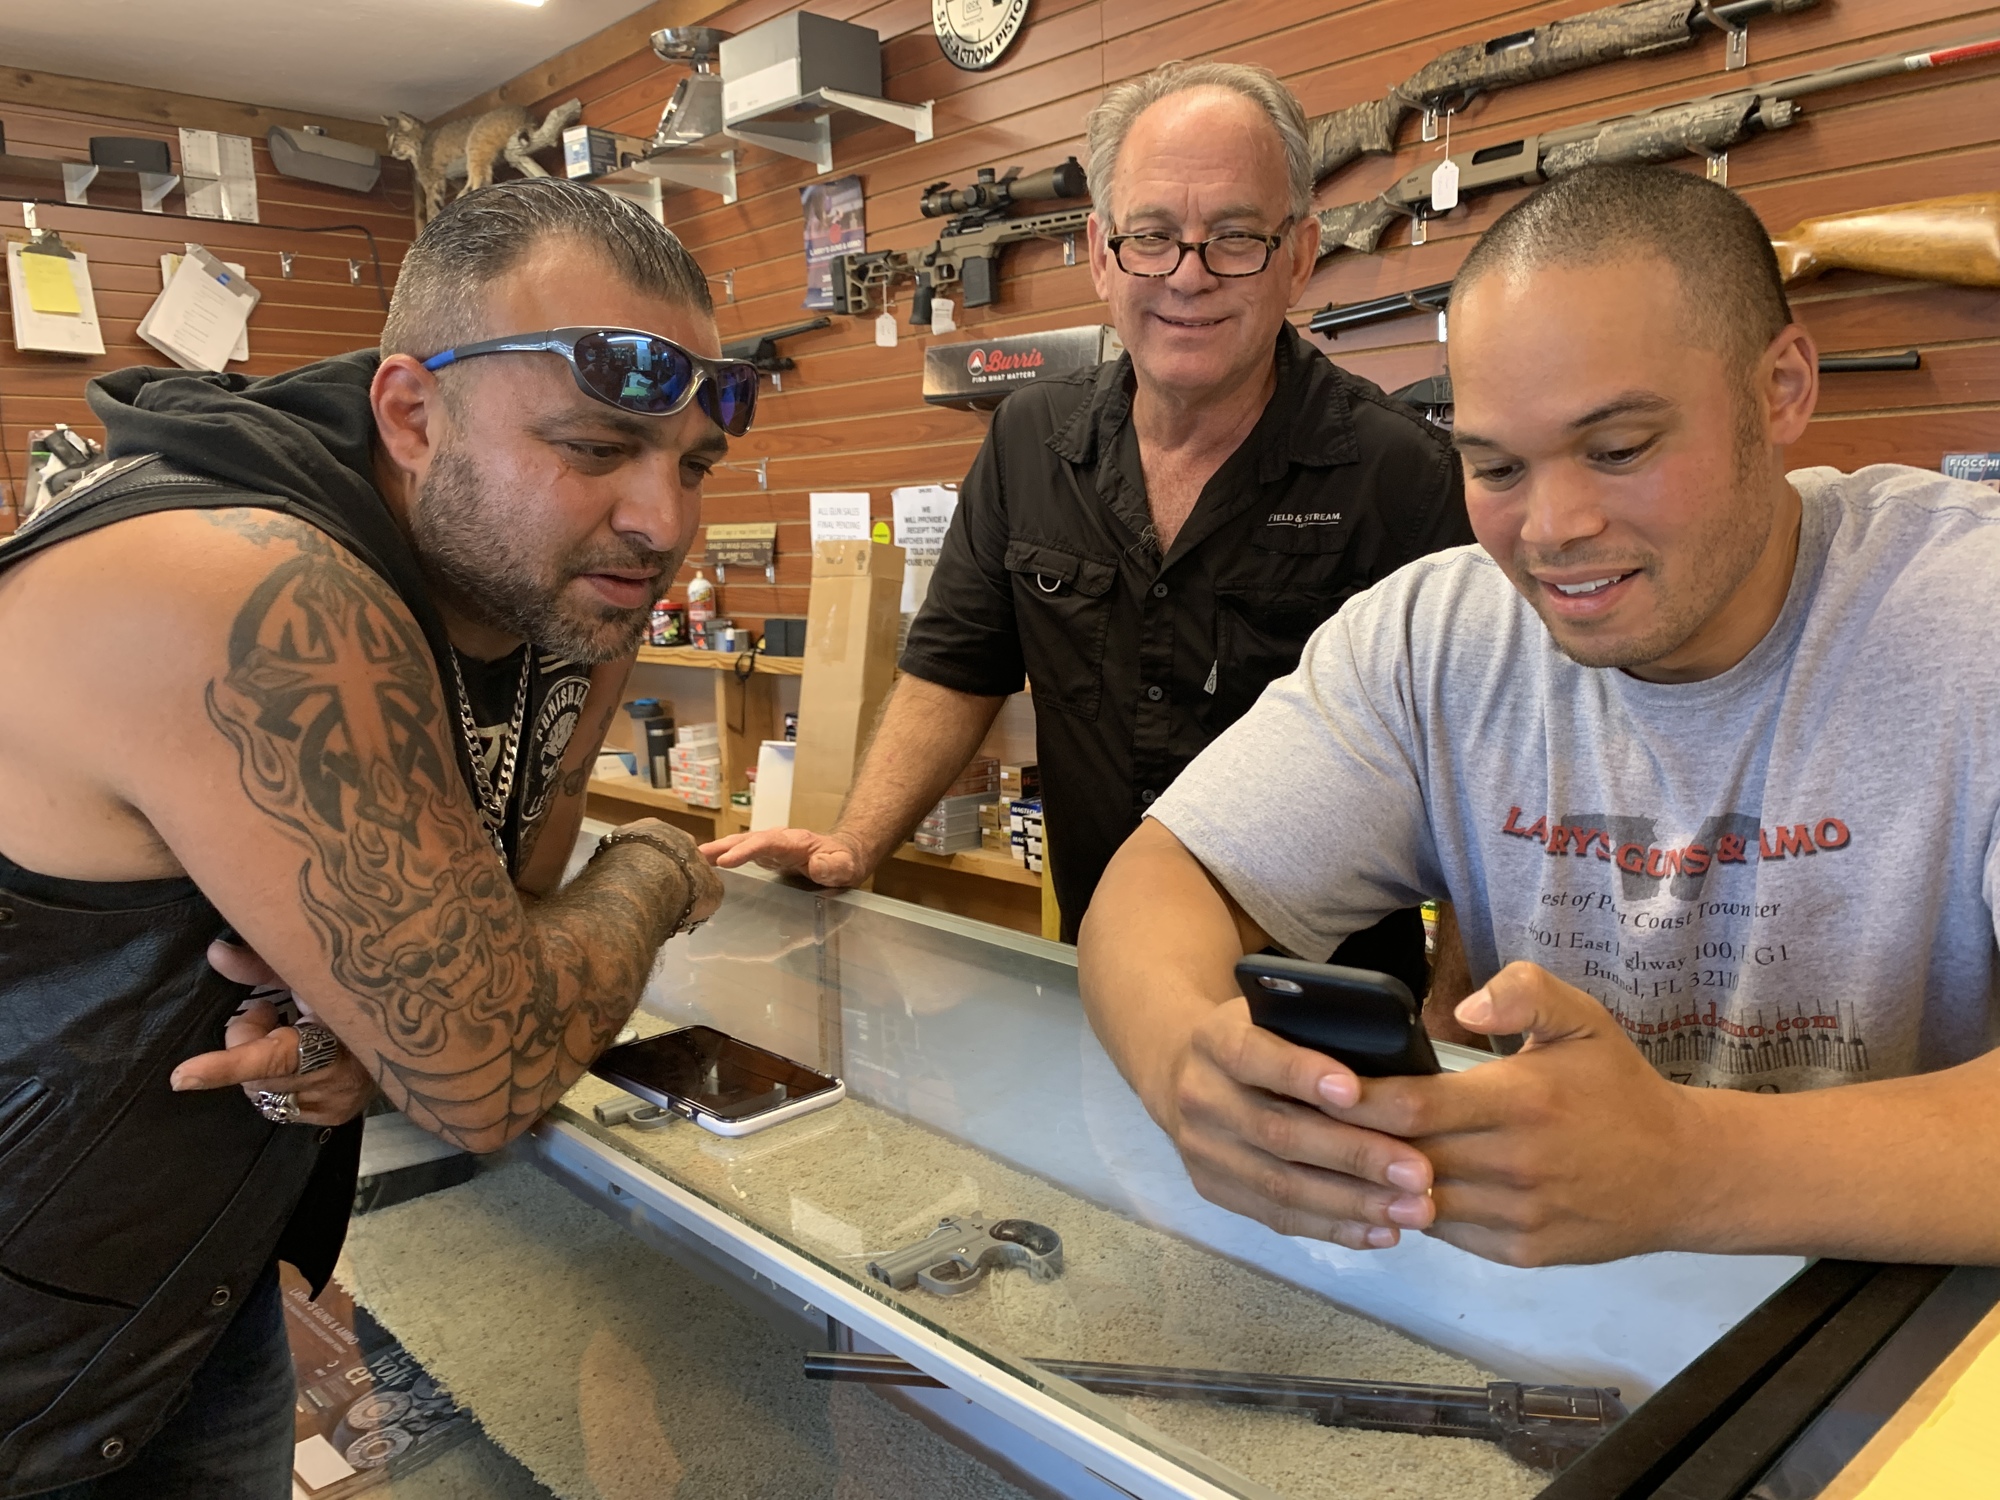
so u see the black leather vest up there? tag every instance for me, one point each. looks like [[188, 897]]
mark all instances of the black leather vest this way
[[133, 1218]]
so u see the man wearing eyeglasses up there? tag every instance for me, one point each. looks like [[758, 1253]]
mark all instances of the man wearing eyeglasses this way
[[318, 664], [1152, 543]]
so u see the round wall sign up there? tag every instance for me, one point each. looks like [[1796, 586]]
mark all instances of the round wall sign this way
[[973, 33]]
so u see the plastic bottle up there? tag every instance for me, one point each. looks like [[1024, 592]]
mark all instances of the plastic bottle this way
[[701, 605]]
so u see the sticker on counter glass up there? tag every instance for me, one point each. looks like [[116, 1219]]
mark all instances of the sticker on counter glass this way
[[839, 515], [881, 534]]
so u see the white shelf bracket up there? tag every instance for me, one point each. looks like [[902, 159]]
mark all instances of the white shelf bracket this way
[[153, 189], [807, 140], [708, 173], [915, 118], [77, 178]]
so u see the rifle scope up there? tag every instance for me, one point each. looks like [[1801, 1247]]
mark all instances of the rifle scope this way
[[991, 195]]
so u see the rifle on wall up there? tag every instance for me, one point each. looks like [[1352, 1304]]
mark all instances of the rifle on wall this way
[[1432, 398], [968, 252], [1700, 127], [1640, 28], [761, 349], [1955, 241]]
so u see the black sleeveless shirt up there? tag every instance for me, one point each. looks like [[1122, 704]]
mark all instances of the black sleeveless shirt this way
[[132, 1218]]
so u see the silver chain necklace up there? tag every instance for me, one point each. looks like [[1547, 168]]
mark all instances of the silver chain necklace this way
[[493, 796]]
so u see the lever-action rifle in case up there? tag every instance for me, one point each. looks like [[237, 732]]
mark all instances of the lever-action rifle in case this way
[[1454, 79], [1701, 127], [968, 252], [1545, 1426]]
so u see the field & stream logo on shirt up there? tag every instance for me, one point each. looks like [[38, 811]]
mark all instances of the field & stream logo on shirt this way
[[1670, 973]]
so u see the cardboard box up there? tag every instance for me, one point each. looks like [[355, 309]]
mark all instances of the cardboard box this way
[[850, 662], [778, 68]]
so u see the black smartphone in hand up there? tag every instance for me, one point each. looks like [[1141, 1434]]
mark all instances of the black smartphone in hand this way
[[1369, 1021]]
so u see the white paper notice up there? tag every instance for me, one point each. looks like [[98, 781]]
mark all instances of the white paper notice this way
[[219, 175], [839, 515], [201, 173], [239, 179], [199, 318], [923, 514], [169, 264]]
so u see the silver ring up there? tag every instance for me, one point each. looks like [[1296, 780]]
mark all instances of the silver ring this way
[[317, 1047], [279, 1109]]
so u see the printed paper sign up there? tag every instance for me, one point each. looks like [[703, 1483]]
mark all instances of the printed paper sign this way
[[839, 515], [923, 514]]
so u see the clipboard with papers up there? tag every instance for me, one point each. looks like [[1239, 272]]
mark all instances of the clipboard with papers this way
[[199, 321], [49, 293]]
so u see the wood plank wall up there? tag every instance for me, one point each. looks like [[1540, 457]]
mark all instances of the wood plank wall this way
[[851, 416], [314, 314]]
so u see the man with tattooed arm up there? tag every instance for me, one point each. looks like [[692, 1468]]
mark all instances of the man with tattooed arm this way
[[318, 664]]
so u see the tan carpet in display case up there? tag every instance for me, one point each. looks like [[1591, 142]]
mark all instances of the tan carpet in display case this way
[[573, 1342]]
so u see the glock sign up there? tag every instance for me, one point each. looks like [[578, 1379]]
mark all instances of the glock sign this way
[[974, 33]]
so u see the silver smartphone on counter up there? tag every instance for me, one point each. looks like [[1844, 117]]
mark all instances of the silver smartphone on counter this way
[[724, 1085]]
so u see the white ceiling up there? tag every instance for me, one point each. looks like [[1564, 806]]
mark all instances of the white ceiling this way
[[357, 58]]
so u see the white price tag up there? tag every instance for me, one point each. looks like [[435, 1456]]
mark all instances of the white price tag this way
[[1444, 186], [885, 330], [941, 318]]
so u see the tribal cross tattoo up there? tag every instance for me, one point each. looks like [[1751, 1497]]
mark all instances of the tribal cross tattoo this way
[[487, 1010]]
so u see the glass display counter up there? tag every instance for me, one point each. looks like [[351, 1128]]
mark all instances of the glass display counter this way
[[976, 1091]]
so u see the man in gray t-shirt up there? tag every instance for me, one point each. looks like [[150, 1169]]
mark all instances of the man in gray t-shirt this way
[[1706, 756]]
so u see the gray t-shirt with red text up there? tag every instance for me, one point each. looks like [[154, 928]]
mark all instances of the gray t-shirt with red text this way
[[1783, 877]]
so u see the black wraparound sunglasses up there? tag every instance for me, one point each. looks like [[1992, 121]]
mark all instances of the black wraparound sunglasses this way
[[635, 371]]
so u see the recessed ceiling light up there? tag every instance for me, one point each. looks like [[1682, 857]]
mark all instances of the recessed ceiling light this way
[[533, 4]]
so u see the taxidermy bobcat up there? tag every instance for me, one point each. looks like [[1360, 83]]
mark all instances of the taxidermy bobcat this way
[[470, 147]]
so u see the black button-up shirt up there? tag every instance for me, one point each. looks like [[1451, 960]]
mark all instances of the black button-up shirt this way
[[1051, 569]]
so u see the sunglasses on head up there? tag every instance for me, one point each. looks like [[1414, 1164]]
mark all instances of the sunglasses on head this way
[[635, 372]]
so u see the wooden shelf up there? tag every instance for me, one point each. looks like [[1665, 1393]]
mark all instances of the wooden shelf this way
[[989, 863], [720, 661], [638, 789]]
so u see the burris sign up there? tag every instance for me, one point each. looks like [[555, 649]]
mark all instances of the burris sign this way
[[976, 376], [973, 33], [983, 364]]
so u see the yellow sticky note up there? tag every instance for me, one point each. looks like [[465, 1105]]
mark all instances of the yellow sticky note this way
[[50, 289]]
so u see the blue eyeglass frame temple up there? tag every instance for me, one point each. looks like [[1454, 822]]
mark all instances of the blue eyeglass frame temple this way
[[563, 341]]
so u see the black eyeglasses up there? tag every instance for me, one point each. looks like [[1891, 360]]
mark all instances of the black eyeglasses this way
[[635, 372], [1237, 252]]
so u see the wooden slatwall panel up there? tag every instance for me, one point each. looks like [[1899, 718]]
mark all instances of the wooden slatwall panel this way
[[851, 416], [315, 314]]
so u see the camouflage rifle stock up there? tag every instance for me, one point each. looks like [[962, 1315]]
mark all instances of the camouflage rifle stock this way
[[1639, 28], [1701, 127]]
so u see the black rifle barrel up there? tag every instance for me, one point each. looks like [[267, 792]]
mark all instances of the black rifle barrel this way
[[1330, 319], [1552, 1421], [1864, 364]]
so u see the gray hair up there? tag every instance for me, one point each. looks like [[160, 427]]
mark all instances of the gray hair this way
[[480, 237], [1123, 103]]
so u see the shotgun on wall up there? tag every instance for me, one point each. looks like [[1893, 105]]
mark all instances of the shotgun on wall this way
[[1705, 127], [1640, 28], [1955, 241]]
